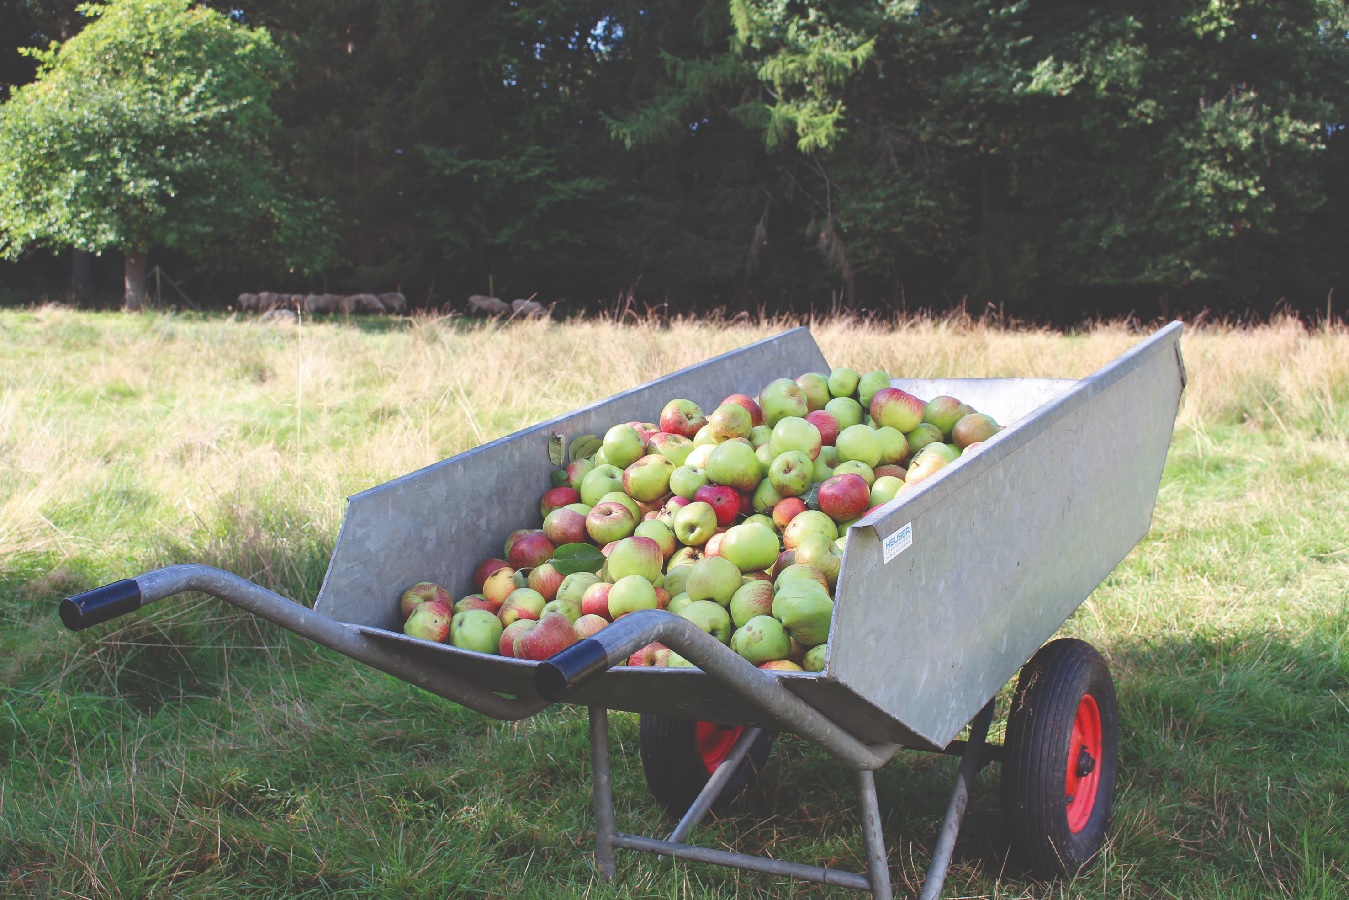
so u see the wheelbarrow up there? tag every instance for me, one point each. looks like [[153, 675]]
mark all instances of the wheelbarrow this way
[[944, 594]]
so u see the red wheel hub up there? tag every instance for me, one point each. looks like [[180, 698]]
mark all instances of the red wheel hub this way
[[1084, 764], [715, 741]]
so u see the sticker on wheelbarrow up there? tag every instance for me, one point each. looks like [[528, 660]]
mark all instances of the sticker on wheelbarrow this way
[[897, 542]]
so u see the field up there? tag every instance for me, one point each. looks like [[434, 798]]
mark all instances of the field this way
[[190, 750]]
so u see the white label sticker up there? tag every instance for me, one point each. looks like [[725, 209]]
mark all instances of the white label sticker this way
[[898, 542]]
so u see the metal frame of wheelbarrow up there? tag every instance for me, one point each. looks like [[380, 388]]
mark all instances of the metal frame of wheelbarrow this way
[[1052, 503]]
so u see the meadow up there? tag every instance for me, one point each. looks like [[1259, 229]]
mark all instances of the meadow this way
[[192, 751]]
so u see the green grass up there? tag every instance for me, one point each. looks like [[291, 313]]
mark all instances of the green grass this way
[[191, 750]]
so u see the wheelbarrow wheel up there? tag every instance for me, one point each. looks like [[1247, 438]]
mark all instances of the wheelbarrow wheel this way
[[1061, 754], [680, 755]]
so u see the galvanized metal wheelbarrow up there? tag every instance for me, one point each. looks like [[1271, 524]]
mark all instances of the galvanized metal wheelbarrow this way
[[944, 594]]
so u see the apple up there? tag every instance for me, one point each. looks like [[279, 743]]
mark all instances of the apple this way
[[759, 435], [894, 446], [595, 600], [843, 497], [786, 510], [846, 410], [610, 521], [636, 556], [553, 634], [753, 598], [698, 457], [685, 481], [711, 617], [545, 579], [896, 408], [793, 433], [631, 593], [750, 545], [475, 601], [523, 603], [713, 578], [885, 489], [762, 639], [820, 553], [826, 423], [682, 417], [926, 433], [791, 473], [764, 454], [565, 526], [723, 499], [944, 412], [730, 420], [755, 411], [599, 481], [430, 621], [690, 554], [654, 654], [780, 398], [477, 630], [859, 442], [842, 382], [623, 446], [800, 572], [973, 428], [814, 660], [648, 478], [678, 602], [661, 533], [855, 467], [485, 568], [556, 498], [499, 585], [780, 665], [423, 591], [869, 384], [815, 385], [568, 608], [765, 497], [706, 437], [574, 586], [804, 609], [506, 646], [674, 447], [948, 452], [576, 471], [925, 467], [588, 626], [530, 550], [808, 522], [734, 464]]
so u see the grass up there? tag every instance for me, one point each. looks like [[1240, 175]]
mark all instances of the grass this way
[[193, 751]]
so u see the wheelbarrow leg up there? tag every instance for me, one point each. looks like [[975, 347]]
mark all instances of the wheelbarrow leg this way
[[971, 761], [603, 790], [869, 814]]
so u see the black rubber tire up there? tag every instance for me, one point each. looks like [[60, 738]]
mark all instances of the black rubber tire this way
[[674, 769], [1035, 804]]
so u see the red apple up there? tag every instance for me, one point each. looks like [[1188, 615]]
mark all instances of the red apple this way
[[553, 634], [420, 593], [787, 509], [610, 521], [506, 646], [499, 585], [523, 603], [565, 526], [529, 550], [723, 499], [595, 600], [558, 497], [755, 411], [588, 626], [844, 497], [485, 568], [475, 601], [827, 423], [545, 579], [430, 621], [650, 655], [682, 417], [897, 408]]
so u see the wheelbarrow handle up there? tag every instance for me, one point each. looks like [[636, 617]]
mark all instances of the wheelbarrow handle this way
[[102, 604]]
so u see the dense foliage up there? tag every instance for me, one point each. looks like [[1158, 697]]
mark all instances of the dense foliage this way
[[1041, 160]]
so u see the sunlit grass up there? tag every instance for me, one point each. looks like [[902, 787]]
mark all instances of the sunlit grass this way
[[192, 750]]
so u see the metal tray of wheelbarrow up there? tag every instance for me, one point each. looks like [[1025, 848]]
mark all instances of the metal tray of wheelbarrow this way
[[943, 593]]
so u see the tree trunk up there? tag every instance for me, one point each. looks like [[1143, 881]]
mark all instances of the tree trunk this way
[[81, 275], [135, 297]]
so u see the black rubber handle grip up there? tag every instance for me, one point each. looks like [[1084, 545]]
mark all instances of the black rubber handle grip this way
[[565, 671], [101, 604]]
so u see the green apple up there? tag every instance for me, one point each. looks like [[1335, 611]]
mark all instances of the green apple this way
[[847, 410], [857, 467], [843, 382], [713, 578], [734, 464], [814, 661], [812, 521], [711, 617], [574, 586], [730, 420], [859, 442], [630, 594], [815, 385], [818, 551], [780, 398], [568, 608], [623, 446], [805, 610], [759, 435], [800, 572], [695, 523], [661, 533], [791, 473], [869, 384], [677, 577], [475, 629], [685, 480], [794, 433], [894, 446], [926, 433], [944, 412], [636, 556], [753, 598], [762, 639], [765, 496], [648, 478], [750, 546], [678, 602], [885, 489], [599, 481], [973, 428]]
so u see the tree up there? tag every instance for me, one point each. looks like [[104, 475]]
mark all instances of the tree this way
[[151, 127]]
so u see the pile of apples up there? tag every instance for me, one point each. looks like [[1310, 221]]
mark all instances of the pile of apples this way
[[734, 520]]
